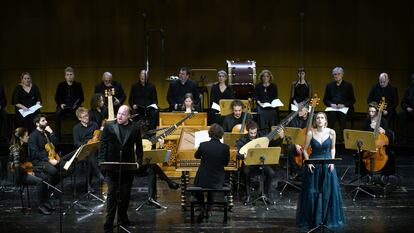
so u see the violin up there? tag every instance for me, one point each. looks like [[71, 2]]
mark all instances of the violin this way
[[50, 148], [375, 161], [27, 166], [95, 137]]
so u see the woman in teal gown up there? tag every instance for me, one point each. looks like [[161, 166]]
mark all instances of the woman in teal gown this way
[[318, 177]]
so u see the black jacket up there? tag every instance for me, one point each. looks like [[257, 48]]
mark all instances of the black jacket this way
[[69, 95], [342, 94], [214, 157], [111, 144]]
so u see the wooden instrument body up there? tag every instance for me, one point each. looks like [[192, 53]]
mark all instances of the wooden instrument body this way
[[50, 148], [95, 137], [375, 161]]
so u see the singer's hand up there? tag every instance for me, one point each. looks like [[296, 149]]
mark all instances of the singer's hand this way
[[311, 167], [331, 167]]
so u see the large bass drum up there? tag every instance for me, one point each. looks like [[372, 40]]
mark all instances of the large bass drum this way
[[242, 77]]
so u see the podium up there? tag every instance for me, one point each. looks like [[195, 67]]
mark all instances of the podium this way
[[359, 140], [262, 156], [150, 157], [323, 162]]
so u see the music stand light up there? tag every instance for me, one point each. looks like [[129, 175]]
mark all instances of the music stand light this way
[[359, 140], [262, 156]]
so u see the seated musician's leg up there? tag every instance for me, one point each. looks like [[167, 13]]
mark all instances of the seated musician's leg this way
[[42, 194], [94, 169], [247, 170], [270, 180], [164, 177]]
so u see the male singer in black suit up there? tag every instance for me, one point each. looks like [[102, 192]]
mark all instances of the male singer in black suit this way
[[120, 135], [123, 135], [68, 97], [107, 84], [214, 157], [338, 94], [178, 89]]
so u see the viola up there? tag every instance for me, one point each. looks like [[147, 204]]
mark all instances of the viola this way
[[375, 161], [27, 166], [95, 137], [50, 148]]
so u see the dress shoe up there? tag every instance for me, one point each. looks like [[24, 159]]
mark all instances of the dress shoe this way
[[44, 210], [49, 206], [173, 185]]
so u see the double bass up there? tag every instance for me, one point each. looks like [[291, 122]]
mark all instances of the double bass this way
[[375, 161]]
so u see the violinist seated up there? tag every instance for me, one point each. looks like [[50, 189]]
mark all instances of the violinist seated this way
[[248, 171], [23, 169], [42, 152], [86, 132], [236, 118], [369, 125], [296, 150]]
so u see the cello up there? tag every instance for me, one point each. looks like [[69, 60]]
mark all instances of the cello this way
[[298, 156], [375, 161]]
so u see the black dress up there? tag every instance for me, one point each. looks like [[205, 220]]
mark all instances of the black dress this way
[[28, 99], [267, 116], [300, 91], [215, 97]]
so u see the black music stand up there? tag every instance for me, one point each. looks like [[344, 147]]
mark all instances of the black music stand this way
[[293, 136], [120, 166], [359, 140], [323, 162], [151, 157], [81, 154], [262, 156]]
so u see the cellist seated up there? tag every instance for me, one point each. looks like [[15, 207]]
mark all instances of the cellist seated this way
[[372, 121], [236, 118]]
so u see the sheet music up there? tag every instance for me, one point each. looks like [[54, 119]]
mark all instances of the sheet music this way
[[344, 110], [295, 108], [202, 136], [68, 163], [31, 110], [275, 103], [153, 106], [215, 106]]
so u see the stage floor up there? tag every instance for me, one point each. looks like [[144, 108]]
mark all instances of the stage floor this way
[[390, 213]]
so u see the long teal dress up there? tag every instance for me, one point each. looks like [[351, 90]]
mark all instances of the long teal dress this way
[[309, 209]]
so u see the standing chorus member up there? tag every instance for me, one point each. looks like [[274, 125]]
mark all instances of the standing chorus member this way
[[68, 97], [178, 89], [108, 84], [384, 89], [406, 115], [301, 89], [25, 95], [339, 94], [266, 91], [142, 95], [220, 90]]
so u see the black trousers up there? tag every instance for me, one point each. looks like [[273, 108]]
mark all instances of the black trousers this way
[[60, 113], [151, 171], [333, 117], [42, 190], [123, 189], [403, 132], [269, 178]]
